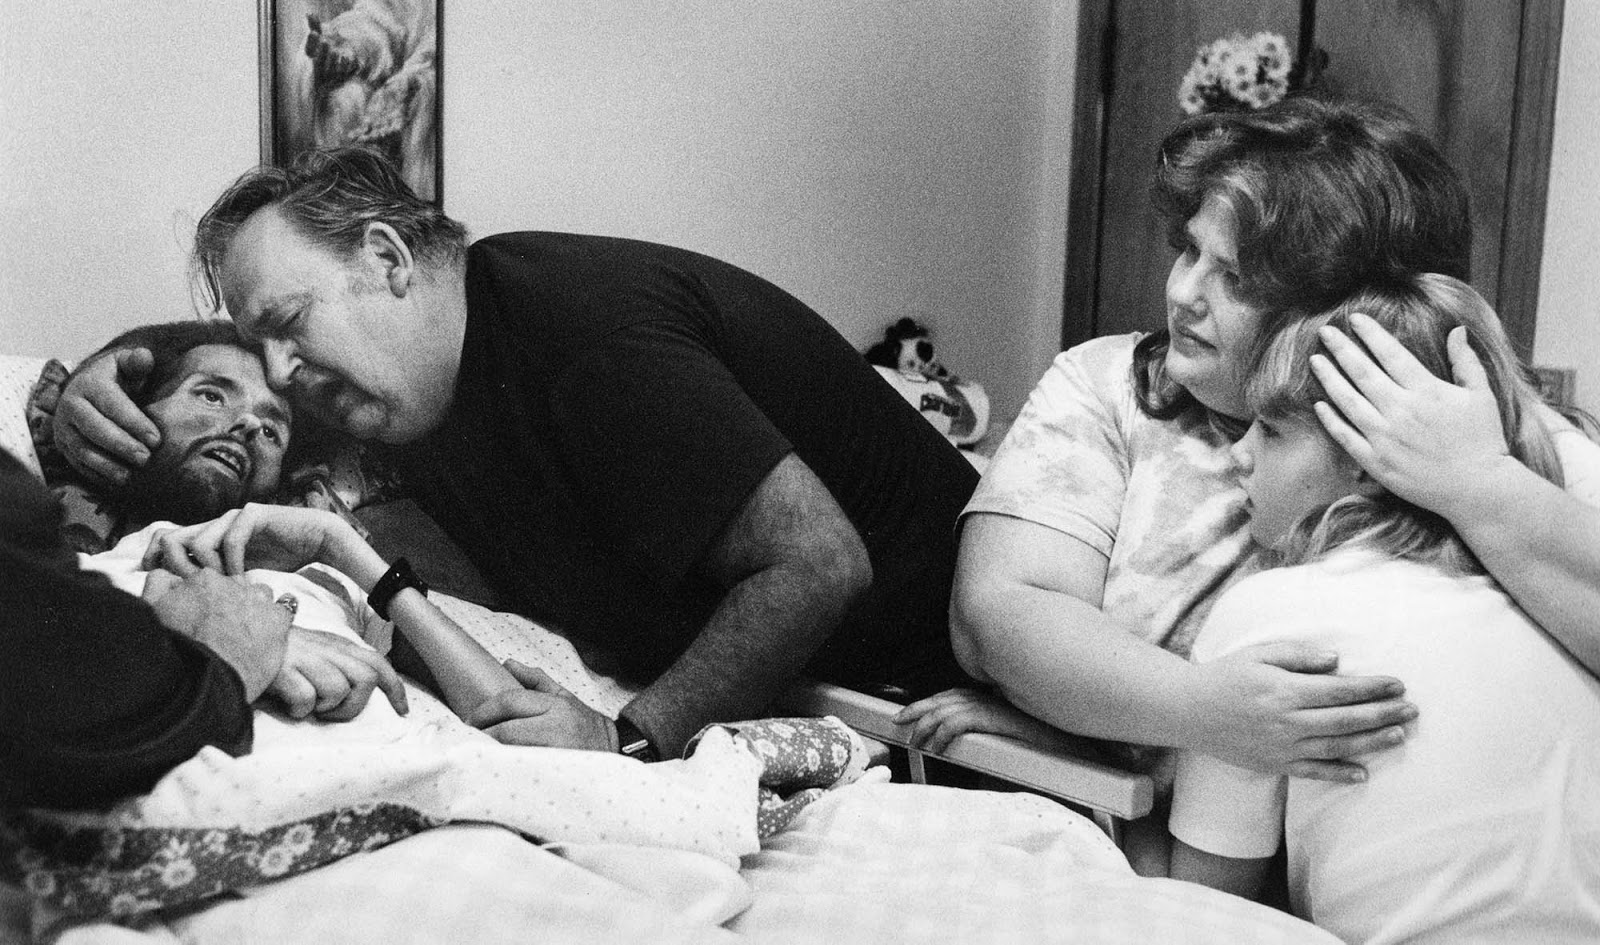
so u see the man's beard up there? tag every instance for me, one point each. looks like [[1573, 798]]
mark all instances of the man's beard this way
[[166, 489]]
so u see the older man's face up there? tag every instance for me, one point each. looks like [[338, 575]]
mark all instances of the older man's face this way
[[342, 337], [223, 436]]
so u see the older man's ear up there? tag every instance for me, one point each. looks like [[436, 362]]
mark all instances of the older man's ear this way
[[389, 256]]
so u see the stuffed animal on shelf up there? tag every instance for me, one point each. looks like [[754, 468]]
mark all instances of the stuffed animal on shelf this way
[[905, 359], [907, 347]]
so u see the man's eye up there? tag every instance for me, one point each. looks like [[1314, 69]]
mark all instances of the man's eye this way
[[272, 434], [210, 396]]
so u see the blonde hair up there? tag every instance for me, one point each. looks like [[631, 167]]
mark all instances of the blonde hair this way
[[1420, 311]]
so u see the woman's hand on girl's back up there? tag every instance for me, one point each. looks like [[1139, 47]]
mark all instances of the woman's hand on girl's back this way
[[1280, 708]]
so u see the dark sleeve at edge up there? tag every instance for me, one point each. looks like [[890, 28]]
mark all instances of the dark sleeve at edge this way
[[97, 699]]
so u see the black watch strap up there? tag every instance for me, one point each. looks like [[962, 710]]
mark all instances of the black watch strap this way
[[634, 743], [396, 579]]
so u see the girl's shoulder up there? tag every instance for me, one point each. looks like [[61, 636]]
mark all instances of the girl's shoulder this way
[[1336, 572], [1276, 600], [1346, 581]]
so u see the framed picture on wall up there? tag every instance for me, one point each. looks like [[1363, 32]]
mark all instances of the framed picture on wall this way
[[337, 72]]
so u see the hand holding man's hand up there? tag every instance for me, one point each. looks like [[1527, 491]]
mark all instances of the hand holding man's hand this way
[[331, 676], [543, 714], [235, 619], [97, 427]]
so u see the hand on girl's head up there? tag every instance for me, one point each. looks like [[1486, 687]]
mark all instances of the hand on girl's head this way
[[1420, 436]]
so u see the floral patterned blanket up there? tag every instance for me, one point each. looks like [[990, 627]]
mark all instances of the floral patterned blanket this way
[[131, 860]]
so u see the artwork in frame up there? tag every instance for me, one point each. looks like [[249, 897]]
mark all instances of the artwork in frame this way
[[337, 72]]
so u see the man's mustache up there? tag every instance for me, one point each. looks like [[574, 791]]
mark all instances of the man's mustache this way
[[227, 444]]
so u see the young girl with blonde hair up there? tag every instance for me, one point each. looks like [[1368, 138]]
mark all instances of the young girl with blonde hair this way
[[1485, 824]]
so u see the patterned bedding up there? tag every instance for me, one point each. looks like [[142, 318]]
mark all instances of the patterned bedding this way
[[869, 861]]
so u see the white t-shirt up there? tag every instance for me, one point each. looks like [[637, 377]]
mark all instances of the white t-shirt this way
[[1484, 826]]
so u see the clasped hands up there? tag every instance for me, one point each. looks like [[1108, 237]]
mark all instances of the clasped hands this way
[[323, 674]]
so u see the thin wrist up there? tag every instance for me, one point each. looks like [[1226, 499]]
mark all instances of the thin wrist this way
[[398, 581], [358, 560]]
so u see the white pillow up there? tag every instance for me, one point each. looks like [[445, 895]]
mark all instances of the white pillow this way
[[17, 377]]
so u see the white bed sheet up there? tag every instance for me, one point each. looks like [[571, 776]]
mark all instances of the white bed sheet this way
[[881, 863]]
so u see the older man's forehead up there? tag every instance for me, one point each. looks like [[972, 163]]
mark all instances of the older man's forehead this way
[[252, 266]]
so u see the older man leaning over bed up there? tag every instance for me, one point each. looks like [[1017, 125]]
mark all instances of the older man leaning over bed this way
[[649, 449]]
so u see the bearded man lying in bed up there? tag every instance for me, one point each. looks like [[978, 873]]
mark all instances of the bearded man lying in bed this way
[[225, 438], [222, 820]]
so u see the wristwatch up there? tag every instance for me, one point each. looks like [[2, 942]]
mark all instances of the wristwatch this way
[[396, 579], [634, 743]]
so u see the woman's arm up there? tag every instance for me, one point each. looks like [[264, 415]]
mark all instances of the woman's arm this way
[[1542, 545], [1025, 616], [1440, 446]]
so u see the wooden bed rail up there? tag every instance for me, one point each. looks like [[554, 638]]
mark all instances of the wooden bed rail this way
[[1109, 792]]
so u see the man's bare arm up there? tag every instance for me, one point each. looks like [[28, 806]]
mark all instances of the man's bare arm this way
[[793, 565]]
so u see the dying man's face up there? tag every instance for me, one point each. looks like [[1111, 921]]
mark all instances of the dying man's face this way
[[223, 436]]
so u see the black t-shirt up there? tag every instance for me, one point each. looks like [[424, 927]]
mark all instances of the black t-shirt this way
[[618, 403], [97, 699]]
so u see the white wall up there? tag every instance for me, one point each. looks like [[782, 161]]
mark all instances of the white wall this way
[[1568, 333], [119, 123], [877, 160]]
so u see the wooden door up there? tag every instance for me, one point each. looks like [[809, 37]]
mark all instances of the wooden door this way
[[1479, 75]]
